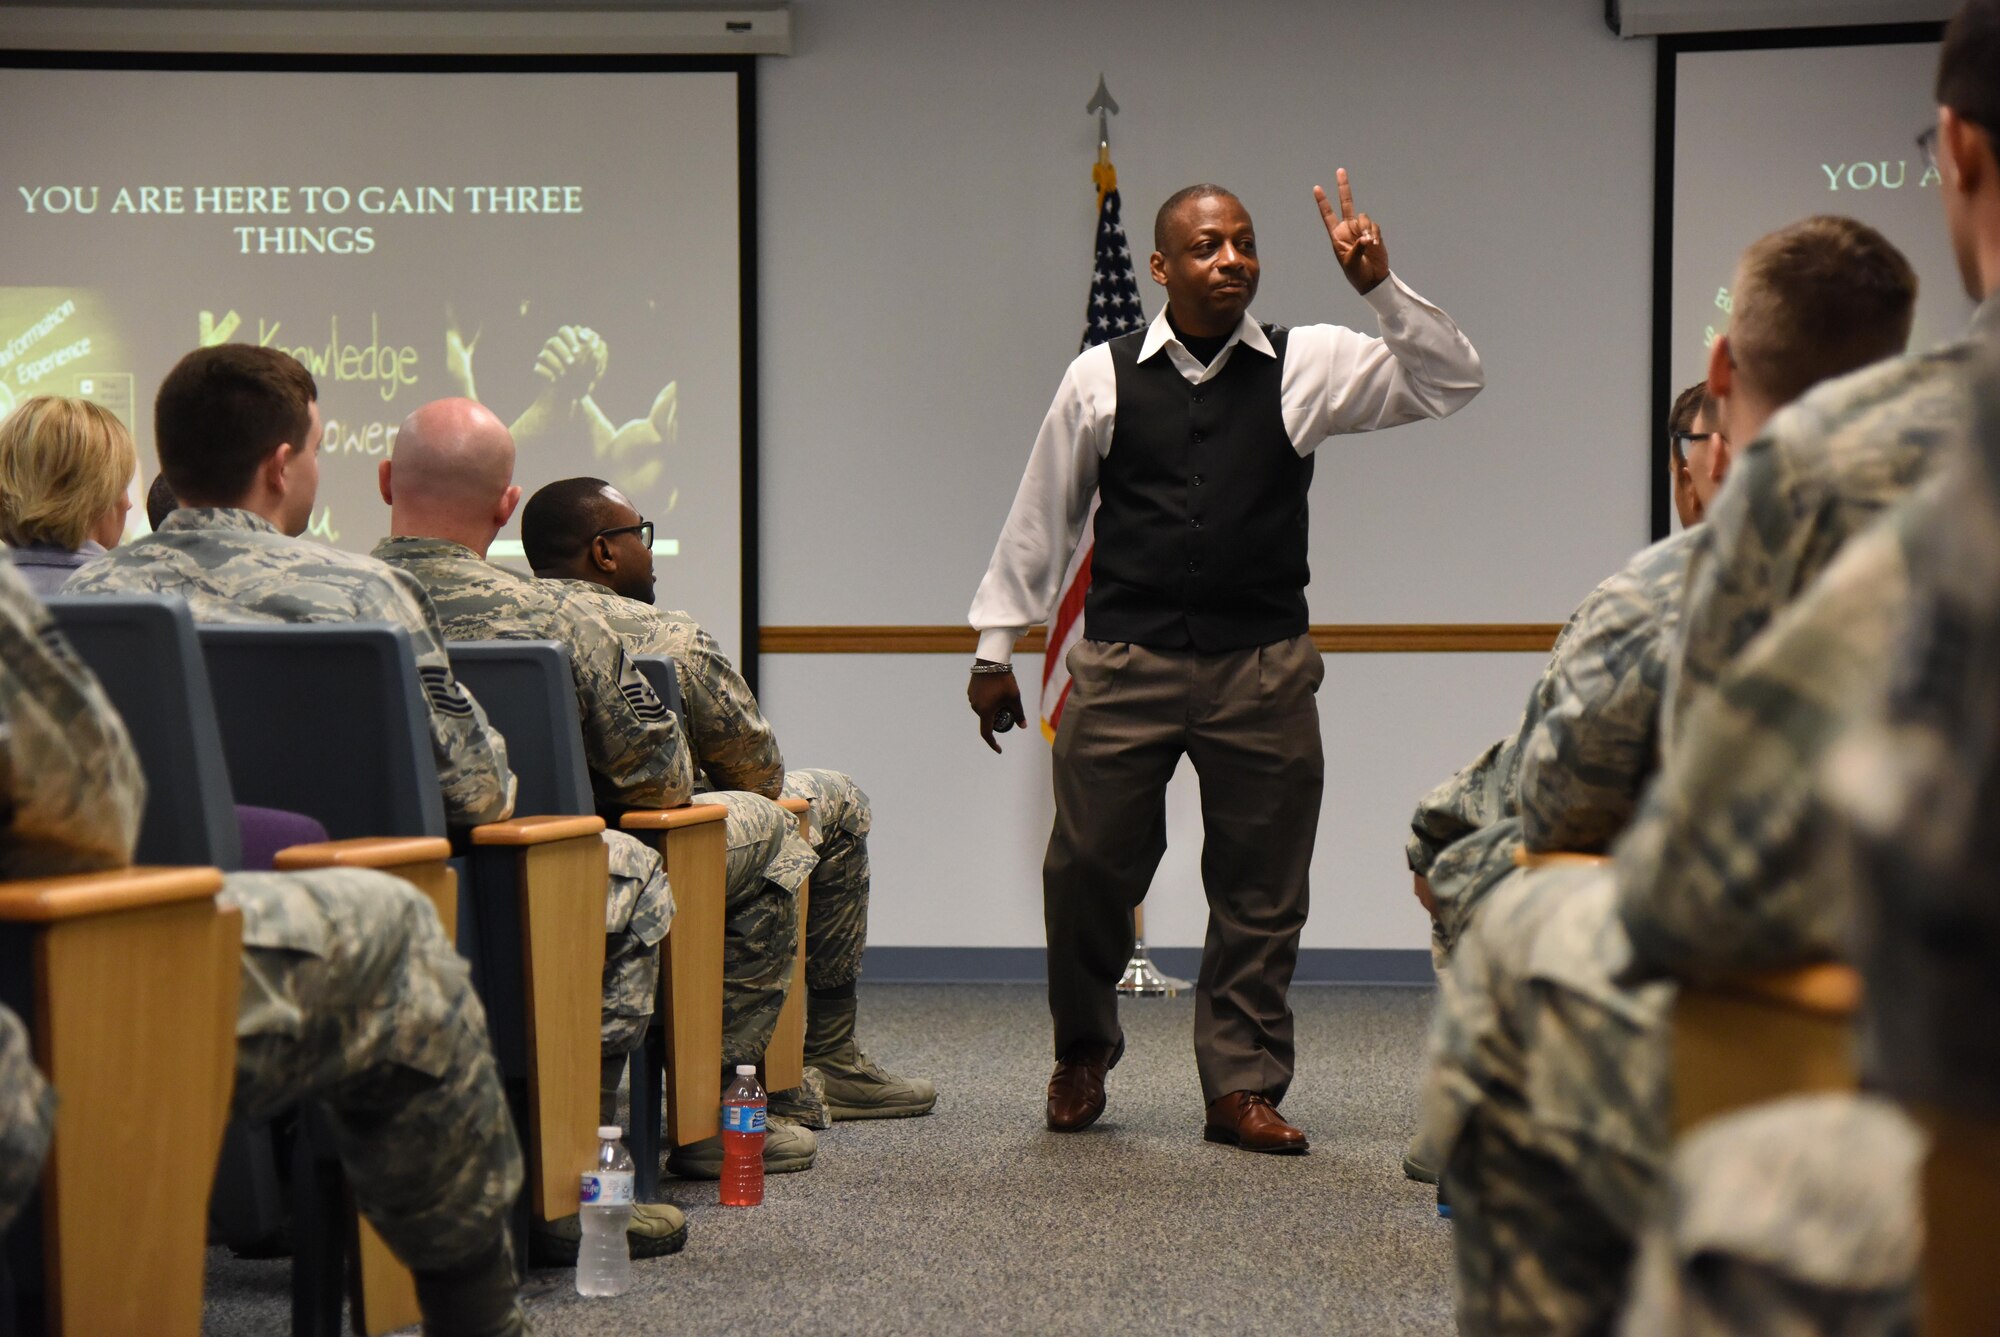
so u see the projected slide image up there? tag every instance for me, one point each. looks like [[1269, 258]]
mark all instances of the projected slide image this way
[[62, 341], [1763, 138], [561, 247]]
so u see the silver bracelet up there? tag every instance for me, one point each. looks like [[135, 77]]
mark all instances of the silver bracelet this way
[[979, 667]]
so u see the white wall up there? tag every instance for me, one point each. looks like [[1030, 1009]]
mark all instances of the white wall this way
[[925, 240]]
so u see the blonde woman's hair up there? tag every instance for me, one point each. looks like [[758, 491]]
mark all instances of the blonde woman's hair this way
[[63, 463]]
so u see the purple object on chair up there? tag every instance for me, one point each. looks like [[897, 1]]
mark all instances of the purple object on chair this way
[[268, 830]]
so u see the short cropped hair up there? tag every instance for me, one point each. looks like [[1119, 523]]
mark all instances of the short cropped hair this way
[[1823, 297], [1686, 409], [221, 412], [160, 501], [561, 519], [1203, 191], [63, 463], [1968, 77]]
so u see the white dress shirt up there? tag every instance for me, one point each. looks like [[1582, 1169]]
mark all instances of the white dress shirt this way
[[1334, 380]]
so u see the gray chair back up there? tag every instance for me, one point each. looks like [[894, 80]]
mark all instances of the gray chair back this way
[[530, 696], [143, 649], [327, 719], [659, 670]]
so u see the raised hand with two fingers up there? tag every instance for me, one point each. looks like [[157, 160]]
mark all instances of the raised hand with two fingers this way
[[1357, 241]]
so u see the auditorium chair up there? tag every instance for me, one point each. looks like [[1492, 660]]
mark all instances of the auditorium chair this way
[[127, 981], [785, 1059], [1960, 1197], [528, 691], [144, 651], [529, 907], [1752, 1038]]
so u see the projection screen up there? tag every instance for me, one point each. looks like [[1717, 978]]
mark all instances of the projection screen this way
[[1767, 130], [411, 233]]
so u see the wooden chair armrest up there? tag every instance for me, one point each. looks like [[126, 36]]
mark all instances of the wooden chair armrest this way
[[362, 852], [536, 830], [672, 819], [1527, 858], [44, 900], [1829, 988], [794, 806]]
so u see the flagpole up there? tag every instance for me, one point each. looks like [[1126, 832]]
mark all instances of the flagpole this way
[[1142, 979]]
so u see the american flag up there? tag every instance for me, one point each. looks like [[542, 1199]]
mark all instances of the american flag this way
[[1114, 310]]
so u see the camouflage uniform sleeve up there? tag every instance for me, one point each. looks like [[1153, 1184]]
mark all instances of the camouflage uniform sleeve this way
[[1485, 790], [1728, 867], [637, 756], [1470, 800], [68, 771], [737, 747], [471, 754], [1916, 782], [1594, 742], [27, 1115], [1742, 567]]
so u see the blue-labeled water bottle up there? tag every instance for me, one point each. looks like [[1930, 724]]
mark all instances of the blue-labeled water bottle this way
[[743, 1139], [604, 1206]]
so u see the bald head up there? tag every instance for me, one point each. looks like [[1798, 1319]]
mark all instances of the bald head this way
[[452, 474]]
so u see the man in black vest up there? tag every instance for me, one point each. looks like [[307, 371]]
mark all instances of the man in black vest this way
[[1197, 434]]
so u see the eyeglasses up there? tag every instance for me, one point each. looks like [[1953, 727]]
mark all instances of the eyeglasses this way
[[1682, 440], [1927, 143], [644, 529]]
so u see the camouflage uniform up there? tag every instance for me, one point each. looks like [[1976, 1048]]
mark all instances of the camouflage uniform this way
[[27, 1115], [1595, 741], [234, 566], [1822, 470], [1795, 1218], [1728, 865], [1544, 1026], [632, 743], [1570, 776], [1917, 783], [735, 747], [1801, 1216], [351, 994]]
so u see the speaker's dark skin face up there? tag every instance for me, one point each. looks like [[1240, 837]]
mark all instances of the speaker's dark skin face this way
[[1209, 267]]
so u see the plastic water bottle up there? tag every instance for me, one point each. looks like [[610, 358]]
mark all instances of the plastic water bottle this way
[[743, 1139], [604, 1259]]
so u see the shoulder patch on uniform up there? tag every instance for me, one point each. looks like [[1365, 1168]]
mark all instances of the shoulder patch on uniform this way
[[645, 703], [443, 692], [58, 645]]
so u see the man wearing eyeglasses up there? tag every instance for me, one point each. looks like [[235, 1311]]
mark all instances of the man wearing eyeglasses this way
[[1689, 427], [585, 540]]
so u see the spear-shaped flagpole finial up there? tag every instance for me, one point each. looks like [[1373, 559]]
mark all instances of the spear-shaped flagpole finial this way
[[1102, 103]]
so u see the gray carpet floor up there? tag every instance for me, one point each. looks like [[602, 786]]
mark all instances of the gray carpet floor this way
[[979, 1220]]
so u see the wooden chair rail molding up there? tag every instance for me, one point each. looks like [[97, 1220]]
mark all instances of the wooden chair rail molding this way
[[1331, 637]]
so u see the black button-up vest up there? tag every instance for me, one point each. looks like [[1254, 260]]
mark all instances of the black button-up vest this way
[[1200, 536]]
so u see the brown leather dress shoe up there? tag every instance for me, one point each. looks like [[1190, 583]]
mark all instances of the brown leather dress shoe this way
[[1076, 1091], [1247, 1120]]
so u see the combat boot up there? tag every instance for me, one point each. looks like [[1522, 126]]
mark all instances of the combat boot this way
[[804, 1104], [476, 1298], [656, 1229], [787, 1148], [856, 1086]]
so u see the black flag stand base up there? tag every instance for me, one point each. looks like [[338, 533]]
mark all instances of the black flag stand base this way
[[1142, 978]]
